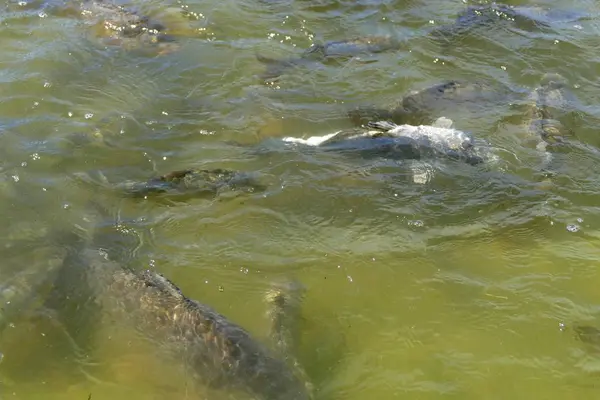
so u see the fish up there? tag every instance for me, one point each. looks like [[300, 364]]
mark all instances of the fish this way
[[215, 352]]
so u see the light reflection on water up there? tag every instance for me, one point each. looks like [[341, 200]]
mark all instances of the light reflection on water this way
[[455, 288]]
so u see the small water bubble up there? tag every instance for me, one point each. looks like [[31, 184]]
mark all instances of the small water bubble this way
[[66, 206], [47, 84], [431, 21], [221, 288], [562, 326], [22, 3], [417, 223], [70, 114], [556, 41], [35, 156], [152, 263], [24, 164], [164, 158], [206, 281], [244, 270], [164, 113], [580, 220], [36, 103], [15, 178], [42, 14], [350, 279], [503, 68], [573, 228], [89, 115]]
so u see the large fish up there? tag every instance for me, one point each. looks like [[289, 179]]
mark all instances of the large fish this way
[[216, 352], [386, 139]]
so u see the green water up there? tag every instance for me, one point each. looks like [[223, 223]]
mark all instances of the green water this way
[[455, 288]]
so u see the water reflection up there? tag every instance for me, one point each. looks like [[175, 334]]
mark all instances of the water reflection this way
[[425, 277]]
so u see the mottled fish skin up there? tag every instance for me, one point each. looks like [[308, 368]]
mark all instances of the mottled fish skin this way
[[546, 104], [333, 49], [117, 25], [540, 118], [214, 351], [220, 353], [199, 183]]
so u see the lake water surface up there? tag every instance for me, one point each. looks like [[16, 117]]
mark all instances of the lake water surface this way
[[461, 285]]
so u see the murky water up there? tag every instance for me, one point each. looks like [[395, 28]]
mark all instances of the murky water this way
[[461, 284]]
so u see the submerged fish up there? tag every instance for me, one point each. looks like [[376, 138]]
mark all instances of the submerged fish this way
[[545, 105], [539, 118], [117, 25], [420, 106], [335, 49], [214, 351], [527, 18], [194, 182]]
